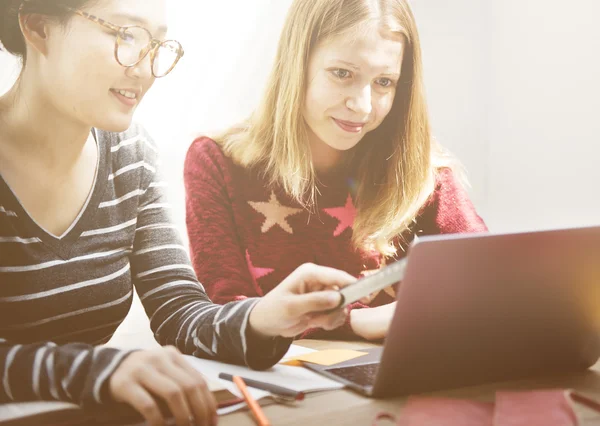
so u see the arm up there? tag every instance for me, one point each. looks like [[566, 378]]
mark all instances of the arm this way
[[75, 372], [217, 256], [348, 331], [211, 229], [179, 309], [373, 324]]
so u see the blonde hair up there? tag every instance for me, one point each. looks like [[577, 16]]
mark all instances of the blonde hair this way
[[275, 138]]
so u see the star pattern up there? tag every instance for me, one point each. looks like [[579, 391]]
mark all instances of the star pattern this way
[[257, 273], [274, 213], [344, 214]]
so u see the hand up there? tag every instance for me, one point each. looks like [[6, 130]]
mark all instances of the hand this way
[[297, 304], [372, 323], [164, 373]]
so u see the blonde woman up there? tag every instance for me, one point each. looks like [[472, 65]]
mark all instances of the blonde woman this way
[[337, 166]]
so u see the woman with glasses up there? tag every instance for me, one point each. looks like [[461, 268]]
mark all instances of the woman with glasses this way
[[337, 165], [83, 219]]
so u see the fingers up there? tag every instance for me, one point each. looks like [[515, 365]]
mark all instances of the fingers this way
[[318, 301], [314, 278], [202, 401], [194, 393], [324, 321], [136, 396], [145, 376], [169, 390], [329, 322]]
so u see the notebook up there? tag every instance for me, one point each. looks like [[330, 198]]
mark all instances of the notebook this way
[[65, 413]]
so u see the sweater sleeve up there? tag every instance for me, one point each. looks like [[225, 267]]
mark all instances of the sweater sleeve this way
[[216, 251], [75, 372], [180, 312]]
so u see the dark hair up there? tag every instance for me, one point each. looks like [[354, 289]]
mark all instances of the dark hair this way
[[11, 38]]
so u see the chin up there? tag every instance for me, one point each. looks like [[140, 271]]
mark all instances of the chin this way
[[342, 145], [116, 125]]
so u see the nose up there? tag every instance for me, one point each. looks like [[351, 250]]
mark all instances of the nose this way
[[143, 69], [361, 101]]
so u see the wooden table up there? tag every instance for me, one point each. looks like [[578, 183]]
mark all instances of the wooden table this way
[[344, 407]]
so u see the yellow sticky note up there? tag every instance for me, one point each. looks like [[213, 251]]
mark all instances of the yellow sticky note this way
[[326, 357]]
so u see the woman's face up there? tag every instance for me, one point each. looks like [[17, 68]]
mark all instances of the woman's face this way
[[79, 71], [351, 86]]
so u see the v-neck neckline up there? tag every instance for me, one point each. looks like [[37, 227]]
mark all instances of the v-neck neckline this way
[[63, 244]]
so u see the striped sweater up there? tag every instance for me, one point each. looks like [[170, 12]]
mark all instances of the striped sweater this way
[[61, 297]]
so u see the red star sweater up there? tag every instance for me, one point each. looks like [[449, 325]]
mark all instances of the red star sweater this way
[[245, 238]]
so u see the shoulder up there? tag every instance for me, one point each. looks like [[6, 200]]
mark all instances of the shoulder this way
[[205, 156], [450, 206], [447, 180], [449, 187], [205, 149]]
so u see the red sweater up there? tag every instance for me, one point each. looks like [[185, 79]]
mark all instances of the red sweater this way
[[245, 238]]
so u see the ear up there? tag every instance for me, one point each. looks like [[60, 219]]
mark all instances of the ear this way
[[34, 27]]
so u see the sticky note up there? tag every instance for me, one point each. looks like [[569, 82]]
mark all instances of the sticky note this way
[[326, 357]]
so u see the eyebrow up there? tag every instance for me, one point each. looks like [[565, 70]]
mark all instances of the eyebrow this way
[[355, 67], [349, 64], [136, 19]]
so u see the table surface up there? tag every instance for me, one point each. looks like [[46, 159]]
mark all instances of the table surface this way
[[343, 407]]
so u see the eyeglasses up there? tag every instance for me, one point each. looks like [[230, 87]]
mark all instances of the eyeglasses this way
[[133, 43]]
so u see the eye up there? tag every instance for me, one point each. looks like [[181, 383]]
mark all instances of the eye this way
[[341, 73], [385, 82], [127, 37]]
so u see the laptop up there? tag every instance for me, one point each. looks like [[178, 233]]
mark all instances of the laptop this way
[[480, 308]]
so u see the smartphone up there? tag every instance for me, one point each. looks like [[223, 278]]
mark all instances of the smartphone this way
[[384, 278]]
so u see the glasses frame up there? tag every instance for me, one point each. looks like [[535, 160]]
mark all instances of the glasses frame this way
[[151, 48]]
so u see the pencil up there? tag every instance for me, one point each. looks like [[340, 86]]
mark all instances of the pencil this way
[[256, 410]]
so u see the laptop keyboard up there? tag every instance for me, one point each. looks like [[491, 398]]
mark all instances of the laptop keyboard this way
[[363, 375]]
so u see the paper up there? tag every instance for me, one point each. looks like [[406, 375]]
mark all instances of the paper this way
[[326, 357], [19, 410], [295, 351], [298, 379]]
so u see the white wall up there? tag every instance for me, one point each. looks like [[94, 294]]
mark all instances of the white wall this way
[[9, 69], [514, 91], [229, 46], [455, 40], [513, 87], [545, 109]]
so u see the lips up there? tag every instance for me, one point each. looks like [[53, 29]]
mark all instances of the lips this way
[[129, 97], [350, 126]]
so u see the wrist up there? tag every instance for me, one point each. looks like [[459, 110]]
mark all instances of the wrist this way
[[356, 320], [259, 323]]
